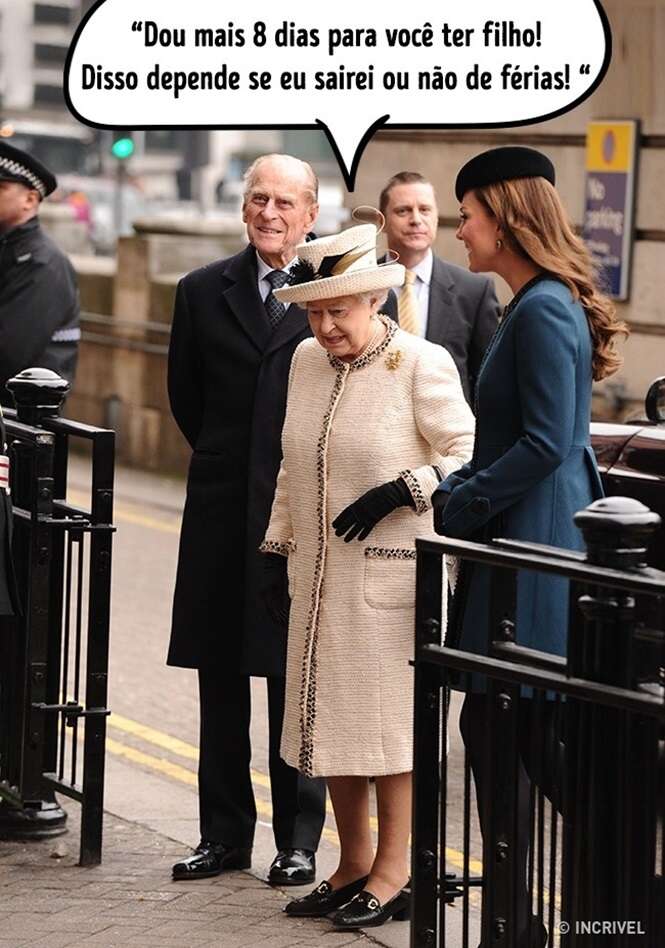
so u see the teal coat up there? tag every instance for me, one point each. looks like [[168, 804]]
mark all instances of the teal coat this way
[[533, 467]]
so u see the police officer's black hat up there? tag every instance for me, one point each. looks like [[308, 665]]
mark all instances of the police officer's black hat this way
[[503, 164], [17, 165]]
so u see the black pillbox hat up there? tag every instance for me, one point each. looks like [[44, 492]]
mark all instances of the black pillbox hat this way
[[17, 165], [503, 164]]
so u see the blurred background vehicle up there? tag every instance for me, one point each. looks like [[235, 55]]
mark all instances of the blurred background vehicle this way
[[631, 458], [62, 147]]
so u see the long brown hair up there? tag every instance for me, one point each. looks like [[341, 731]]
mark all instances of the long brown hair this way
[[535, 224]]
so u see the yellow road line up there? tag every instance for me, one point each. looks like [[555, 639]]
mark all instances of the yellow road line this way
[[125, 515], [188, 751], [166, 767], [128, 515], [186, 776], [158, 738], [169, 743]]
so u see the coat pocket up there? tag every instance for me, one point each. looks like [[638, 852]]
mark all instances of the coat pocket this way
[[390, 578]]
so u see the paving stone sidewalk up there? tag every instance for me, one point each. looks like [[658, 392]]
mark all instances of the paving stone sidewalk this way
[[47, 901]]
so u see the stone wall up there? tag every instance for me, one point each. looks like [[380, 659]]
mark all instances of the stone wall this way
[[127, 305]]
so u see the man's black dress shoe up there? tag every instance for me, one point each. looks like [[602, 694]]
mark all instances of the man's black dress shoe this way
[[292, 867], [210, 859], [324, 899], [365, 911]]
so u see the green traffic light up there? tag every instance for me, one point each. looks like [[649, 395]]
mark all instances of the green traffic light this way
[[122, 148]]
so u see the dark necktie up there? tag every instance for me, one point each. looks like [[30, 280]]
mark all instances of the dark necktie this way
[[275, 309]]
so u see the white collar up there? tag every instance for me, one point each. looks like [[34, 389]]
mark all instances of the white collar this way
[[264, 269], [423, 270]]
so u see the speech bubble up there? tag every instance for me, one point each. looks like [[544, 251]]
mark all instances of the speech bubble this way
[[337, 66]]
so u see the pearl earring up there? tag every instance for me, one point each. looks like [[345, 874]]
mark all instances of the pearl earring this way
[[499, 244]]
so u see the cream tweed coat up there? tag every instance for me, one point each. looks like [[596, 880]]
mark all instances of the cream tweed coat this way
[[350, 427]]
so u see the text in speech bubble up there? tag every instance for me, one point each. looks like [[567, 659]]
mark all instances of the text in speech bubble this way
[[338, 66]]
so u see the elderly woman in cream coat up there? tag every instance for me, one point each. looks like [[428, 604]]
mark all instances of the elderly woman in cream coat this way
[[375, 417]]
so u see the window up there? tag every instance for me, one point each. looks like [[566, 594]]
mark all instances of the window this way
[[47, 54], [48, 95], [52, 15], [162, 139]]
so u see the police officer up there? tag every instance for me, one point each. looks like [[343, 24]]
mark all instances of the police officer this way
[[39, 306]]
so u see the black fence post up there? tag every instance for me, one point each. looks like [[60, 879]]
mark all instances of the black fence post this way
[[427, 755], [99, 619], [38, 393], [501, 849], [613, 754]]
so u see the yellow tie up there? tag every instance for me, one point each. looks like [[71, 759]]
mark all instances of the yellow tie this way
[[407, 308]]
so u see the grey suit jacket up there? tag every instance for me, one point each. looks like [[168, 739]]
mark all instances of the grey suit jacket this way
[[462, 315]]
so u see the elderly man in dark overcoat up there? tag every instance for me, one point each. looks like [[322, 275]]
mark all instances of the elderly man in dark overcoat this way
[[229, 359]]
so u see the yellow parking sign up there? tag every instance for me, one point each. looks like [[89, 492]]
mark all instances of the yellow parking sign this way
[[610, 146]]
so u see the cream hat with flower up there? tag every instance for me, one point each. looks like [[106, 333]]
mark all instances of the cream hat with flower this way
[[340, 265]]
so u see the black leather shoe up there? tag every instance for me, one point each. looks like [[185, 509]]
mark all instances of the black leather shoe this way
[[292, 867], [210, 859], [365, 911], [324, 899]]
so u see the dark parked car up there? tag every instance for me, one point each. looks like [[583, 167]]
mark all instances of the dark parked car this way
[[631, 458]]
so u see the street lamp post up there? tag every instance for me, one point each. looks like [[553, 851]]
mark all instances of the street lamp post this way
[[122, 149]]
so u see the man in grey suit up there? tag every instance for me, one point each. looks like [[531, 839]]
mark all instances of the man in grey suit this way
[[440, 301]]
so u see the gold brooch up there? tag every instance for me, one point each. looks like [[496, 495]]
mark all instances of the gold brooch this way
[[393, 359]]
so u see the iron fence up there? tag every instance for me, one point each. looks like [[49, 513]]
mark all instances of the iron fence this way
[[54, 657], [566, 846]]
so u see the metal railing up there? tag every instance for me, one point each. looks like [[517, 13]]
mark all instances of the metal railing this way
[[54, 657], [566, 751]]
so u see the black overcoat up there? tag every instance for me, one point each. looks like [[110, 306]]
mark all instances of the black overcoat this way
[[39, 306], [227, 378]]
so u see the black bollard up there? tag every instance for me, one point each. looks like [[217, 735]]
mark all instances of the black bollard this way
[[617, 532], [37, 393]]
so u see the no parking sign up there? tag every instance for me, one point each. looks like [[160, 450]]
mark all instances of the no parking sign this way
[[611, 153]]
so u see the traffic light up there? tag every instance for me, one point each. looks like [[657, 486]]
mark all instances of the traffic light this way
[[122, 147]]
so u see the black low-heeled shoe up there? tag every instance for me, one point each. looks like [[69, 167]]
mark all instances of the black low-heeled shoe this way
[[365, 911], [324, 899]]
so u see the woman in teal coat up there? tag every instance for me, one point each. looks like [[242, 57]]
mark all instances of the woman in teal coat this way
[[532, 467]]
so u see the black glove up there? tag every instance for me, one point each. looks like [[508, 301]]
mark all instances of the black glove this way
[[275, 587], [360, 517], [440, 500]]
